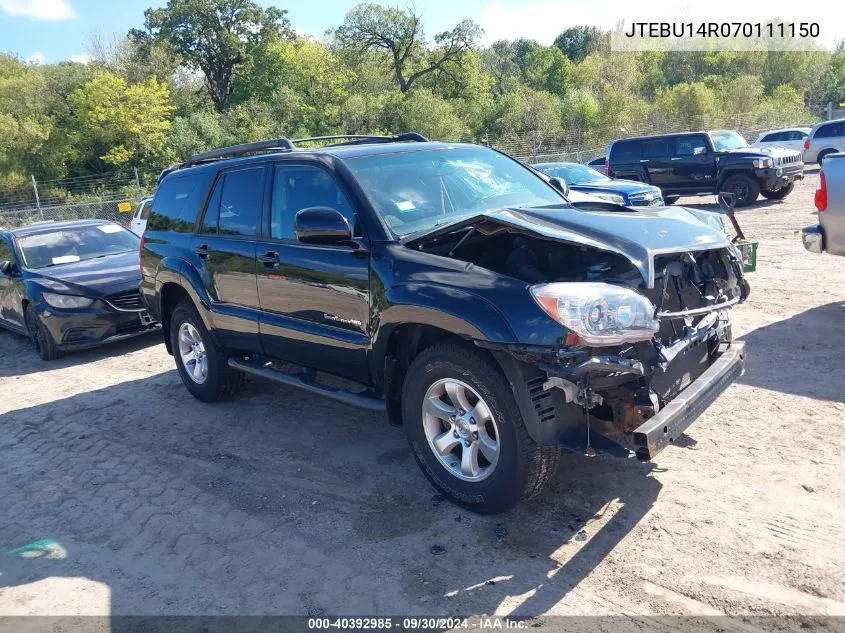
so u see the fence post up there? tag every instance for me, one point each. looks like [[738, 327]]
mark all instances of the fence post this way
[[533, 146], [829, 110], [37, 199], [137, 181]]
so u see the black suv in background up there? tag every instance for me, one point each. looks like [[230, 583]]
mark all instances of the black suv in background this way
[[452, 287], [696, 163]]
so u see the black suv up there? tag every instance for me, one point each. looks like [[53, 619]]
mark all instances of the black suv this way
[[451, 287], [696, 163]]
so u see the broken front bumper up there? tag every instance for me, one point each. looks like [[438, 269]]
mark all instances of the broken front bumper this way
[[666, 426]]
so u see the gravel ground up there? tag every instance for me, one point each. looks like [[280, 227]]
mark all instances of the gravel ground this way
[[121, 494]]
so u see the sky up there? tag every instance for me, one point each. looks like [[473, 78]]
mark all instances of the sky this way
[[49, 31]]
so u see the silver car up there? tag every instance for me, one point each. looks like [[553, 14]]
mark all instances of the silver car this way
[[829, 234], [825, 138]]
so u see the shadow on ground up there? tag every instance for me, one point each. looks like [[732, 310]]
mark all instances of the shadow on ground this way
[[279, 502], [802, 355], [23, 359]]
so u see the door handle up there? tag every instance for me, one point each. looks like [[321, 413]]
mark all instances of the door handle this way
[[269, 259], [202, 251], [676, 158]]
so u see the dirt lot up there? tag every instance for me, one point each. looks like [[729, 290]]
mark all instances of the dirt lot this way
[[134, 498]]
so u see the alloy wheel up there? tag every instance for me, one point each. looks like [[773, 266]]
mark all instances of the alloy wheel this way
[[460, 429], [193, 354]]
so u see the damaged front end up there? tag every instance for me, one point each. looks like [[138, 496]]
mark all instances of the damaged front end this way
[[646, 343]]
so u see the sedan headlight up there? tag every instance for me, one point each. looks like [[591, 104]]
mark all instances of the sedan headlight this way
[[615, 198], [66, 301], [599, 313]]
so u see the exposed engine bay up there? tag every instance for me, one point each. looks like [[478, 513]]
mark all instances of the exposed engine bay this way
[[614, 390]]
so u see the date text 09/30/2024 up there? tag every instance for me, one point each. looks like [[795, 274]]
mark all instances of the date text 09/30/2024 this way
[[478, 623]]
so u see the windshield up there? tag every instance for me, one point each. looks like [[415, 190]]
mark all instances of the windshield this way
[[727, 140], [573, 173], [418, 190], [75, 244]]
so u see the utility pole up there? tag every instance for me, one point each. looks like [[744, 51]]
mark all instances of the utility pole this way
[[37, 199]]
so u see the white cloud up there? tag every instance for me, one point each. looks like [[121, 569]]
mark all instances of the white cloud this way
[[39, 9], [36, 58], [80, 58], [544, 20]]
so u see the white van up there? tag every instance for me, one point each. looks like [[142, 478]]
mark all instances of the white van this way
[[825, 138], [139, 218]]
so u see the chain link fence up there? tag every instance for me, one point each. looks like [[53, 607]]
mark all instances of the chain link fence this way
[[100, 196], [105, 196]]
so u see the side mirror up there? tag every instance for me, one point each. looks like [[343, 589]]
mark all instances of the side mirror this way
[[7, 267], [321, 225], [559, 184], [700, 151]]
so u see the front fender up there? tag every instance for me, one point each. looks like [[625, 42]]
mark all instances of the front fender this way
[[444, 307]]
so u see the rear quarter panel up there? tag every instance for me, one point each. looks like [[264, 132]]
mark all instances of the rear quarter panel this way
[[832, 219]]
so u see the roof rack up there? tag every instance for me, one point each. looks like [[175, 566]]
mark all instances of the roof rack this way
[[355, 139], [278, 144], [244, 148]]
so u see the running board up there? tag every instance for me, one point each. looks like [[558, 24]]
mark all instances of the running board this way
[[369, 402]]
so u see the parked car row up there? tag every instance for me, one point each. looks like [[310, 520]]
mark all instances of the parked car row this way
[[449, 286]]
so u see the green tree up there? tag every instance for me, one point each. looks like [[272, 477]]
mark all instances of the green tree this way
[[214, 36], [122, 123], [398, 36], [577, 42]]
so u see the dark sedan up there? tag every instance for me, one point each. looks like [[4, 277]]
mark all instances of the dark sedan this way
[[71, 285], [585, 179]]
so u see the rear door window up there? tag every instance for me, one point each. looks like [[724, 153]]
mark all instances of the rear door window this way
[[234, 207], [656, 149]]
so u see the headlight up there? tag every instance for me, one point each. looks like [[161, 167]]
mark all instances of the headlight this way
[[615, 198], [599, 313], [66, 301], [765, 163]]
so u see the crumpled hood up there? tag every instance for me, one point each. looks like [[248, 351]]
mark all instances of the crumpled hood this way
[[91, 278], [638, 235]]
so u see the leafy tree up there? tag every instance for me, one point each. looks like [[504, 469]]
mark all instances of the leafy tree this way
[[308, 72], [398, 35], [122, 123], [214, 36], [688, 102], [579, 41]]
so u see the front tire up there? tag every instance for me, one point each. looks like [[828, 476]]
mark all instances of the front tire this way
[[40, 336], [466, 431], [202, 365], [778, 194], [745, 189]]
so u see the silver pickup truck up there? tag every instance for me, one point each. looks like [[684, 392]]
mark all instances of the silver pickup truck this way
[[829, 234]]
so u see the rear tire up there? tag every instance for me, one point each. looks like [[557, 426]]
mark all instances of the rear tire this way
[[745, 189], [778, 194], [825, 154], [520, 468], [40, 336], [205, 373]]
